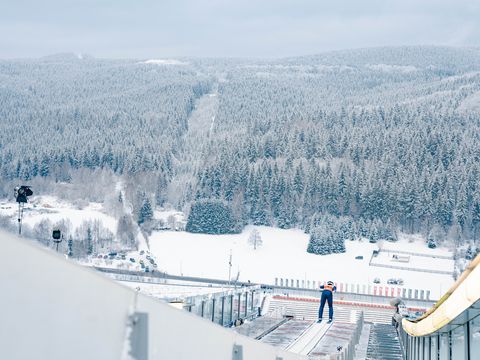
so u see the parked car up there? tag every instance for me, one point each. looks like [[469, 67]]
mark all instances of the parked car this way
[[376, 281], [395, 281], [359, 257], [432, 244], [147, 269], [132, 260], [142, 252]]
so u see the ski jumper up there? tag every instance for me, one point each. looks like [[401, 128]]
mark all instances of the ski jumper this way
[[327, 296]]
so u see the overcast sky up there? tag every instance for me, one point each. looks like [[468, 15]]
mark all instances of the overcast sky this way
[[224, 28]]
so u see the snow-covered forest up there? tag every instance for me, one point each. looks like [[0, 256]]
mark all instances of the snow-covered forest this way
[[380, 139]]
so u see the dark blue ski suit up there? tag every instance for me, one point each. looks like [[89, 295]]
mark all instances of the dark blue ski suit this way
[[327, 295]]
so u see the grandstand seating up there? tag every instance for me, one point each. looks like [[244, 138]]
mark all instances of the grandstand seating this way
[[307, 309]]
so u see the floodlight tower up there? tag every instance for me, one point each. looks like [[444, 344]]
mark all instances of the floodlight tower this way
[[57, 237], [21, 196]]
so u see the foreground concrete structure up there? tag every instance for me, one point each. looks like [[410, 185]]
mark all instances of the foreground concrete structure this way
[[54, 309]]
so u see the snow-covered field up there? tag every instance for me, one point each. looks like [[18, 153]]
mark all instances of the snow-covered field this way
[[414, 243], [471, 103], [283, 255], [51, 208], [165, 62], [414, 262]]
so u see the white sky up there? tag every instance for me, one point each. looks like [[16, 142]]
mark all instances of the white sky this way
[[224, 28]]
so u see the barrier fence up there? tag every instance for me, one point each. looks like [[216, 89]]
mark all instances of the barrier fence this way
[[430, 271], [409, 268], [362, 289], [447, 257]]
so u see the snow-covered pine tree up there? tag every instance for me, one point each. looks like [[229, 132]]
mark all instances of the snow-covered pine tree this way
[[89, 241], [327, 237], [145, 214], [211, 217], [70, 247]]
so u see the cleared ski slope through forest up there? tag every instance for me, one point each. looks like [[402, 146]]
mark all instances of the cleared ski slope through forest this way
[[190, 156]]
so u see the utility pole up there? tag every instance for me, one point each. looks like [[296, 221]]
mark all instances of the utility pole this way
[[230, 267], [20, 216]]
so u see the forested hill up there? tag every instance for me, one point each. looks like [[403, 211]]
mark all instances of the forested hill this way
[[381, 137], [63, 112]]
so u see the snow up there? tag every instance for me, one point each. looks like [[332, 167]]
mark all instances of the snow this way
[[414, 262], [415, 243], [116, 262], [165, 214], [465, 76], [53, 209], [283, 255], [471, 103], [167, 291], [165, 62], [405, 69], [128, 209]]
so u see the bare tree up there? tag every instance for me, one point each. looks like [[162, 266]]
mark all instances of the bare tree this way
[[171, 221], [255, 239]]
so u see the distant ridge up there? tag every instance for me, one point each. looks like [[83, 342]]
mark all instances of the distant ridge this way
[[67, 56], [420, 56]]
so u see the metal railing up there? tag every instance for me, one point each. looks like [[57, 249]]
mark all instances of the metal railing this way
[[370, 293], [348, 352], [462, 295]]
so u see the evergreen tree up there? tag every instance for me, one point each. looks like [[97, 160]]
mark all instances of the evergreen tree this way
[[89, 241], [211, 217], [145, 213], [70, 247], [328, 234], [44, 167]]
